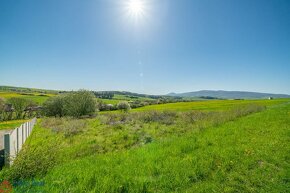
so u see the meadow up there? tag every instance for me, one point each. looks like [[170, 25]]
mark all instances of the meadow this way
[[227, 146], [6, 125], [39, 98], [209, 105]]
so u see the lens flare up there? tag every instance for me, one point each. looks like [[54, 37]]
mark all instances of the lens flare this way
[[136, 8]]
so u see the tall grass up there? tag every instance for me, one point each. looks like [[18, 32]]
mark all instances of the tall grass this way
[[59, 140], [250, 154]]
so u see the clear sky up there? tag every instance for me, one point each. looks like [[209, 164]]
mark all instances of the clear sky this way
[[168, 46]]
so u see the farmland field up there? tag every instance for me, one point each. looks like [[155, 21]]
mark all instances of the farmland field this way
[[36, 97], [4, 125], [210, 105], [176, 149]]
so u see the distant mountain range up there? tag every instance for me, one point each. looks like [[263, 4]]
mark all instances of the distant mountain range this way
[[206, 94], [228, 94]]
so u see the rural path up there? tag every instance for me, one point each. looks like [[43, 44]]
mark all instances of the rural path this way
[[2, 132]]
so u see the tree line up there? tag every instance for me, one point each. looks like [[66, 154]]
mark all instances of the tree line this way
[[18, 108]]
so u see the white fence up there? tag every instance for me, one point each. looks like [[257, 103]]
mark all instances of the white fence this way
[[14, 140]]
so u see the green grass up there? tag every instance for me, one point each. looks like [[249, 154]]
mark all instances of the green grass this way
[[110, 101], [36, 97], [118, 98], [247, 155], [209, 105], [5, 125], [218, 153], [127, 98]]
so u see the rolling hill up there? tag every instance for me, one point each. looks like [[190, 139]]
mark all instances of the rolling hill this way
[[229, 94]]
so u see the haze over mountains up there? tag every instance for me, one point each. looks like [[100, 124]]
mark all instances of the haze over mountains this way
[[229, 94], [221, 94]]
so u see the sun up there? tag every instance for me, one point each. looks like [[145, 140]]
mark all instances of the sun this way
[[136, 8]]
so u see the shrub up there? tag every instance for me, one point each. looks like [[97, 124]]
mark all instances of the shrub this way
[[32, 162], [102, 106], [19, 105], [123, 106], [79, 104], [193, 116], [68, 126], [74, 104], [165, 117], [2, 109], [30, 110], [73, 127], [54, 106]]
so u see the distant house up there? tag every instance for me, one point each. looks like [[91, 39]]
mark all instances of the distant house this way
[[270, 98]]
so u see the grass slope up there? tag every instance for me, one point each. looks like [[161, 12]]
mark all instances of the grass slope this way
[[36, 97], [209, 105], [4, 125], [250, 154]]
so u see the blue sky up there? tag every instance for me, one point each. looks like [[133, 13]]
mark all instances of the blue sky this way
[[176, 46]]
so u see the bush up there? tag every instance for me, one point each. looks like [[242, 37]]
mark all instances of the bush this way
[[79, 104], [32, 162], [54, 106], [193, 116], [123, 106], [19, 105], [2, 109], [165, 117], [69, 127], [74, 104]]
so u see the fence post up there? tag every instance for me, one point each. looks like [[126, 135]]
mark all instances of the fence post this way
[[17, 140], [7, 149], [22, 134], [25, 131]]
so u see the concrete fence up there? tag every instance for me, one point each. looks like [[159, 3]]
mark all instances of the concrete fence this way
[[14, 141]]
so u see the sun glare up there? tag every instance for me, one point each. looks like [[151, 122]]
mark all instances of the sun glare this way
[[136, 8]]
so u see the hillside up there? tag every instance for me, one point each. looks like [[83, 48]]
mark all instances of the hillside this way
[[27, 90], [229, 94], [183, 148]]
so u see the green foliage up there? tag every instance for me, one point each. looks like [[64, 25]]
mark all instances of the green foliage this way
[[74, 104], [123, 106], [6, 125], [2, 109], [209, 105], [68, 126], [114, 132], [54, 106], [79, 104], [103, 106], [250, 154], [163, 117], [160, 151], [32, 161], [19, 105]]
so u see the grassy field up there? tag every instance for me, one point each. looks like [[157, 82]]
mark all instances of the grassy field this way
[[5, 125], [185, 151], [209, 105], [118, 98], [40, 98], [37, 97]]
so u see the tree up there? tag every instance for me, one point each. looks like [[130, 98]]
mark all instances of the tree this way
[[54, 106], [2, 109], [19, 105], [31, 107], [80, 103], [123, 106]]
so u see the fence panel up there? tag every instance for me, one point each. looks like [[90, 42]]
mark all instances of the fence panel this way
[[14, 140]]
